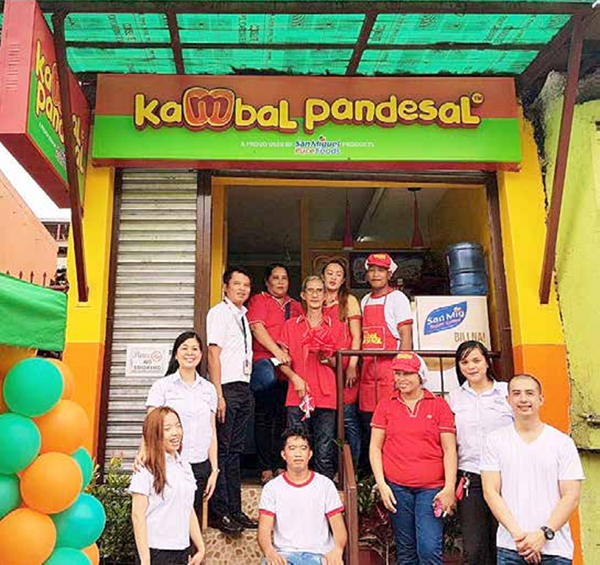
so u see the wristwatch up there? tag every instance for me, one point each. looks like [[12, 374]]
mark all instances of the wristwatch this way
[[548, 532]]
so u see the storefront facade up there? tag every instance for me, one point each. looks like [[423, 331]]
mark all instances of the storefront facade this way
[[174, 149], [187, 206]]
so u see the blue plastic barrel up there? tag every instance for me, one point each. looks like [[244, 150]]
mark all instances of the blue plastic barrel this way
[[466, 265]]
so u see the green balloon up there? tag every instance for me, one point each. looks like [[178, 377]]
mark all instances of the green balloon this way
[[20, 442], [81, 524], [10, 495], [68, 556], [84, 460], [33, 387]]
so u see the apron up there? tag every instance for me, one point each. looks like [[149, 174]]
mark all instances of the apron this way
[[377, 378], [344, 340]]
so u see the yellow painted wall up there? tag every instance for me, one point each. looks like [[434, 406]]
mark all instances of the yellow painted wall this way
[[462, 215], [86, 322], [218, 241], [577, 268]]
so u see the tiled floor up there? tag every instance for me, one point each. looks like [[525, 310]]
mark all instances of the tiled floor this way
[[221, 550]]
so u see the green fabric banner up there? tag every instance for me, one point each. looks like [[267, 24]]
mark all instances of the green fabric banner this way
[[31, 316]]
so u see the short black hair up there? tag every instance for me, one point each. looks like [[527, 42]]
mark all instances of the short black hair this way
[[465, 349], [229, 273], [271, 267], [295, 431], [526, 376]]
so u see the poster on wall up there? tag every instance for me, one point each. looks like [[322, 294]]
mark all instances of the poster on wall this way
[[31, 118], [410, 264], [144, 360]]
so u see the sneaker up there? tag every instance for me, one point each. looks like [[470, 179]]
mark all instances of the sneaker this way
[[244, 520]]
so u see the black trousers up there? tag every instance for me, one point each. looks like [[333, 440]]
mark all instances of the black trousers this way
[[168, 556], [231, 435], [201, 473], [321, 429], [269, 424], [478, 525]]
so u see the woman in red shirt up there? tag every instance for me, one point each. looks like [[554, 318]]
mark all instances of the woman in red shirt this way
[[344, 310], [413, 457]]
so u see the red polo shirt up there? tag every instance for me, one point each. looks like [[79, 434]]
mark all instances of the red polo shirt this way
[[412, 450], [265, 309], [302, 342]]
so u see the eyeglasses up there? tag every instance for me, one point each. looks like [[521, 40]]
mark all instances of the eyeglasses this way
[[314, 290]]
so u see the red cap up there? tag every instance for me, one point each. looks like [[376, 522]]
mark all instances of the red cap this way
[[379, 260], [407, 361]]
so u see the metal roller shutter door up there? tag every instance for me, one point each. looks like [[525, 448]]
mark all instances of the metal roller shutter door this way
[[154, 295]]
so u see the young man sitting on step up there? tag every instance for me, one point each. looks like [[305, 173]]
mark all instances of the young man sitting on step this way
[[301, 521]]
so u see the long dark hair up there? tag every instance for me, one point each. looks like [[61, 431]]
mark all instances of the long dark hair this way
[[181, 338], [464, 349], [153, 440], [342, 291]]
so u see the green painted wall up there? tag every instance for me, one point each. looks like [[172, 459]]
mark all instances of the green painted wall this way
[[578, 275]]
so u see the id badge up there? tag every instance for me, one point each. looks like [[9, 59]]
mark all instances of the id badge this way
[[247, 367]]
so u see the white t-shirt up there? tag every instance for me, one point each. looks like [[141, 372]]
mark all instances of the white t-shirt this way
[[397, 309], [301, 513], [476, 415], [530, 475], [194, 404], [168, 513], [226, 326]]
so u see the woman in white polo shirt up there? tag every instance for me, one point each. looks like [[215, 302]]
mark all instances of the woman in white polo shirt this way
[[195, 400], [479, 407], [162, 491]]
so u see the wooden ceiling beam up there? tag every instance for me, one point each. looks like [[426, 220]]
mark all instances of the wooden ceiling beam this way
[[315, 7]]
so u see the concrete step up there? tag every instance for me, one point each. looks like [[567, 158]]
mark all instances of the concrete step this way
[[221, 550]]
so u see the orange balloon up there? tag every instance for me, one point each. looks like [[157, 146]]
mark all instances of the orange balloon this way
[[64, 428], [26, 537], [68, 378], [51, 483], [93, 553], [11, 355]]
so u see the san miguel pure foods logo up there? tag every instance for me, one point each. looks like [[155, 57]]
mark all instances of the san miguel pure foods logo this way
[[445, 318], [47, 102], [219, 109]]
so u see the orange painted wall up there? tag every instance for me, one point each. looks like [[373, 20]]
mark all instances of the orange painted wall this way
[[25, 244]]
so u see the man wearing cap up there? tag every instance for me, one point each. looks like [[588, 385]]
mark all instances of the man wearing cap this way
[[387, 324], [413, 457]]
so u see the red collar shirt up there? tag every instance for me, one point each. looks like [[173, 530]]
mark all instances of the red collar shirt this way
[[412, 450], [303, 344], [265, 309]]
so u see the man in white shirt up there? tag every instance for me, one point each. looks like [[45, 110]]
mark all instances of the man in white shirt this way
[[531, 476], [230, 366], [301, 521]]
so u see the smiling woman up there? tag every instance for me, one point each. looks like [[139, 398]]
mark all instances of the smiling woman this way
[[163, 496], [195, 399]]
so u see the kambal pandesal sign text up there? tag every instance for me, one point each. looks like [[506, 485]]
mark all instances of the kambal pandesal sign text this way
[[220, 108], [202, 119]]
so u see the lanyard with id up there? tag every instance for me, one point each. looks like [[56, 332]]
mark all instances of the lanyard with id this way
[[247, 362], [242, 326]]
